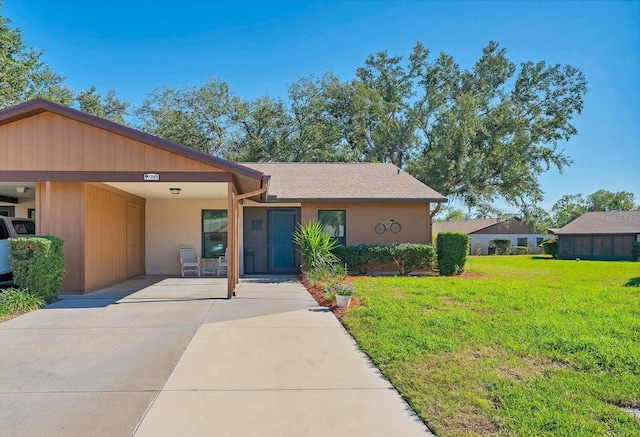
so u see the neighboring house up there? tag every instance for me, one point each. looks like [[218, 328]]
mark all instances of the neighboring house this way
[[605, 235], [484, 231], [125, 201]]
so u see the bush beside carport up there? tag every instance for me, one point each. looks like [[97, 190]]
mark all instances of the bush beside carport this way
[[38, 265]]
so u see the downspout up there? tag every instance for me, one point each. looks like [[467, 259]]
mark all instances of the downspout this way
[[435, 211], [265, 184]]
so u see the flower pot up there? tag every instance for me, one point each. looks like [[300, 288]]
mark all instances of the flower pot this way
[[343, 301]]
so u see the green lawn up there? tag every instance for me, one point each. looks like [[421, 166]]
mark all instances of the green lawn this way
[[516, 346]]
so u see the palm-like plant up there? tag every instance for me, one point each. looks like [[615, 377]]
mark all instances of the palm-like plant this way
[[315, 246]]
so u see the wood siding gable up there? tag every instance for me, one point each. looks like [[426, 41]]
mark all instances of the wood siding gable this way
[[51, 142]]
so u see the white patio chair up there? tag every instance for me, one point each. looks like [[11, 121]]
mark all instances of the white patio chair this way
[[223, 262], [189, 261]]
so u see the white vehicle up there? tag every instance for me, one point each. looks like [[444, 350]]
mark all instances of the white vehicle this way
[[12, 227]]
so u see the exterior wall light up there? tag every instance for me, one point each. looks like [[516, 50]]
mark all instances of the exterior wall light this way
[[175, 190]]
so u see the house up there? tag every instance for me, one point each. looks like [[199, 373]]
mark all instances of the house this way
[[603, 235], [484, 231], [125, 201]]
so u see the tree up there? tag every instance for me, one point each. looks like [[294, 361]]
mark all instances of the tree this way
[[197, 117], [450, 214], [23, 75], [319, 110], [568, 208], [494, 129], [603, 200], [263, 132], [571, 206], [477, 135], [109, 107]]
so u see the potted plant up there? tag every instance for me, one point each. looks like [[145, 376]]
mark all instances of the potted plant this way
[[343, 293]]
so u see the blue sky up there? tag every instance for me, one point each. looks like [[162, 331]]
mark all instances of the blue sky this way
[[261, 47]]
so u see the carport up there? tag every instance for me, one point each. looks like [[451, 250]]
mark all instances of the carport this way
[[123, 201]]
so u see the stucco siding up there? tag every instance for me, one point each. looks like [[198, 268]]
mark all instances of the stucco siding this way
[[361, 219], [171, 224], [22, 207]]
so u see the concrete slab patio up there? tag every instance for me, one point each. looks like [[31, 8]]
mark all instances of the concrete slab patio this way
[[172, 358]]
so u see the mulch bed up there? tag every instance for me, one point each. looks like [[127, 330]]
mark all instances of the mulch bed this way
[[319, 295]]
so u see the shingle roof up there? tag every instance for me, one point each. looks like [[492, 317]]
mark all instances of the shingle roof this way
[[604, 222], [466, 226], [353, 182]]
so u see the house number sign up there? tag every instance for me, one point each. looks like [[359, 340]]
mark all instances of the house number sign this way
[[151, 177]]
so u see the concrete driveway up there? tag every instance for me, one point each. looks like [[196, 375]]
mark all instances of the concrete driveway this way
[[173, 357]]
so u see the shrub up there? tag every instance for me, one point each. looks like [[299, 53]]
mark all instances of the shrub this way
[[635, 250], [452, 252], [363, 259], [38, 265], [503, 246], [15, 301], [410, 256], [550, 247], [314, 246]]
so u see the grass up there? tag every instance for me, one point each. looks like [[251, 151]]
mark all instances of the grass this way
[[14, 302], [517, 346]]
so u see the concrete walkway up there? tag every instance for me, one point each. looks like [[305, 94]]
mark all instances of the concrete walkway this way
[[175, 359]]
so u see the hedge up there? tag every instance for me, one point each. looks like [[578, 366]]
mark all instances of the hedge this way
[[408, 257], [453, 248], [363, 259], [38, 265], [550, 247], [635, 250], [503, 246]]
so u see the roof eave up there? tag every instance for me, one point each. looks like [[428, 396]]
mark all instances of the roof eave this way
[[353, 200]]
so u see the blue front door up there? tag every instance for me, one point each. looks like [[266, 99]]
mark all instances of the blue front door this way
[[282, 251]]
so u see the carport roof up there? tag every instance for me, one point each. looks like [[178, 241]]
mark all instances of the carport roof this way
[[37, 106]]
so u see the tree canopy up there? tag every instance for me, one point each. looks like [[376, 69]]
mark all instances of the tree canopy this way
[[571, 206], [23, 75], [477, 134]]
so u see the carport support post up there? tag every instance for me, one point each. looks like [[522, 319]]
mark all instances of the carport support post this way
[[231, 240]]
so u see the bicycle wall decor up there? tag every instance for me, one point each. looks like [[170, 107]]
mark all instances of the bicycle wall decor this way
[[393, 226]]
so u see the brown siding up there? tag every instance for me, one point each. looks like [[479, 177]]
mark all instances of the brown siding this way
[[65, 220], [105, 226], [363, 217], [29, 145]]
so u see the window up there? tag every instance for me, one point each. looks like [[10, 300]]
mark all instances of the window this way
[[214, 232], [539, 241], [31, 213], [522, 242], [334, 224]]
